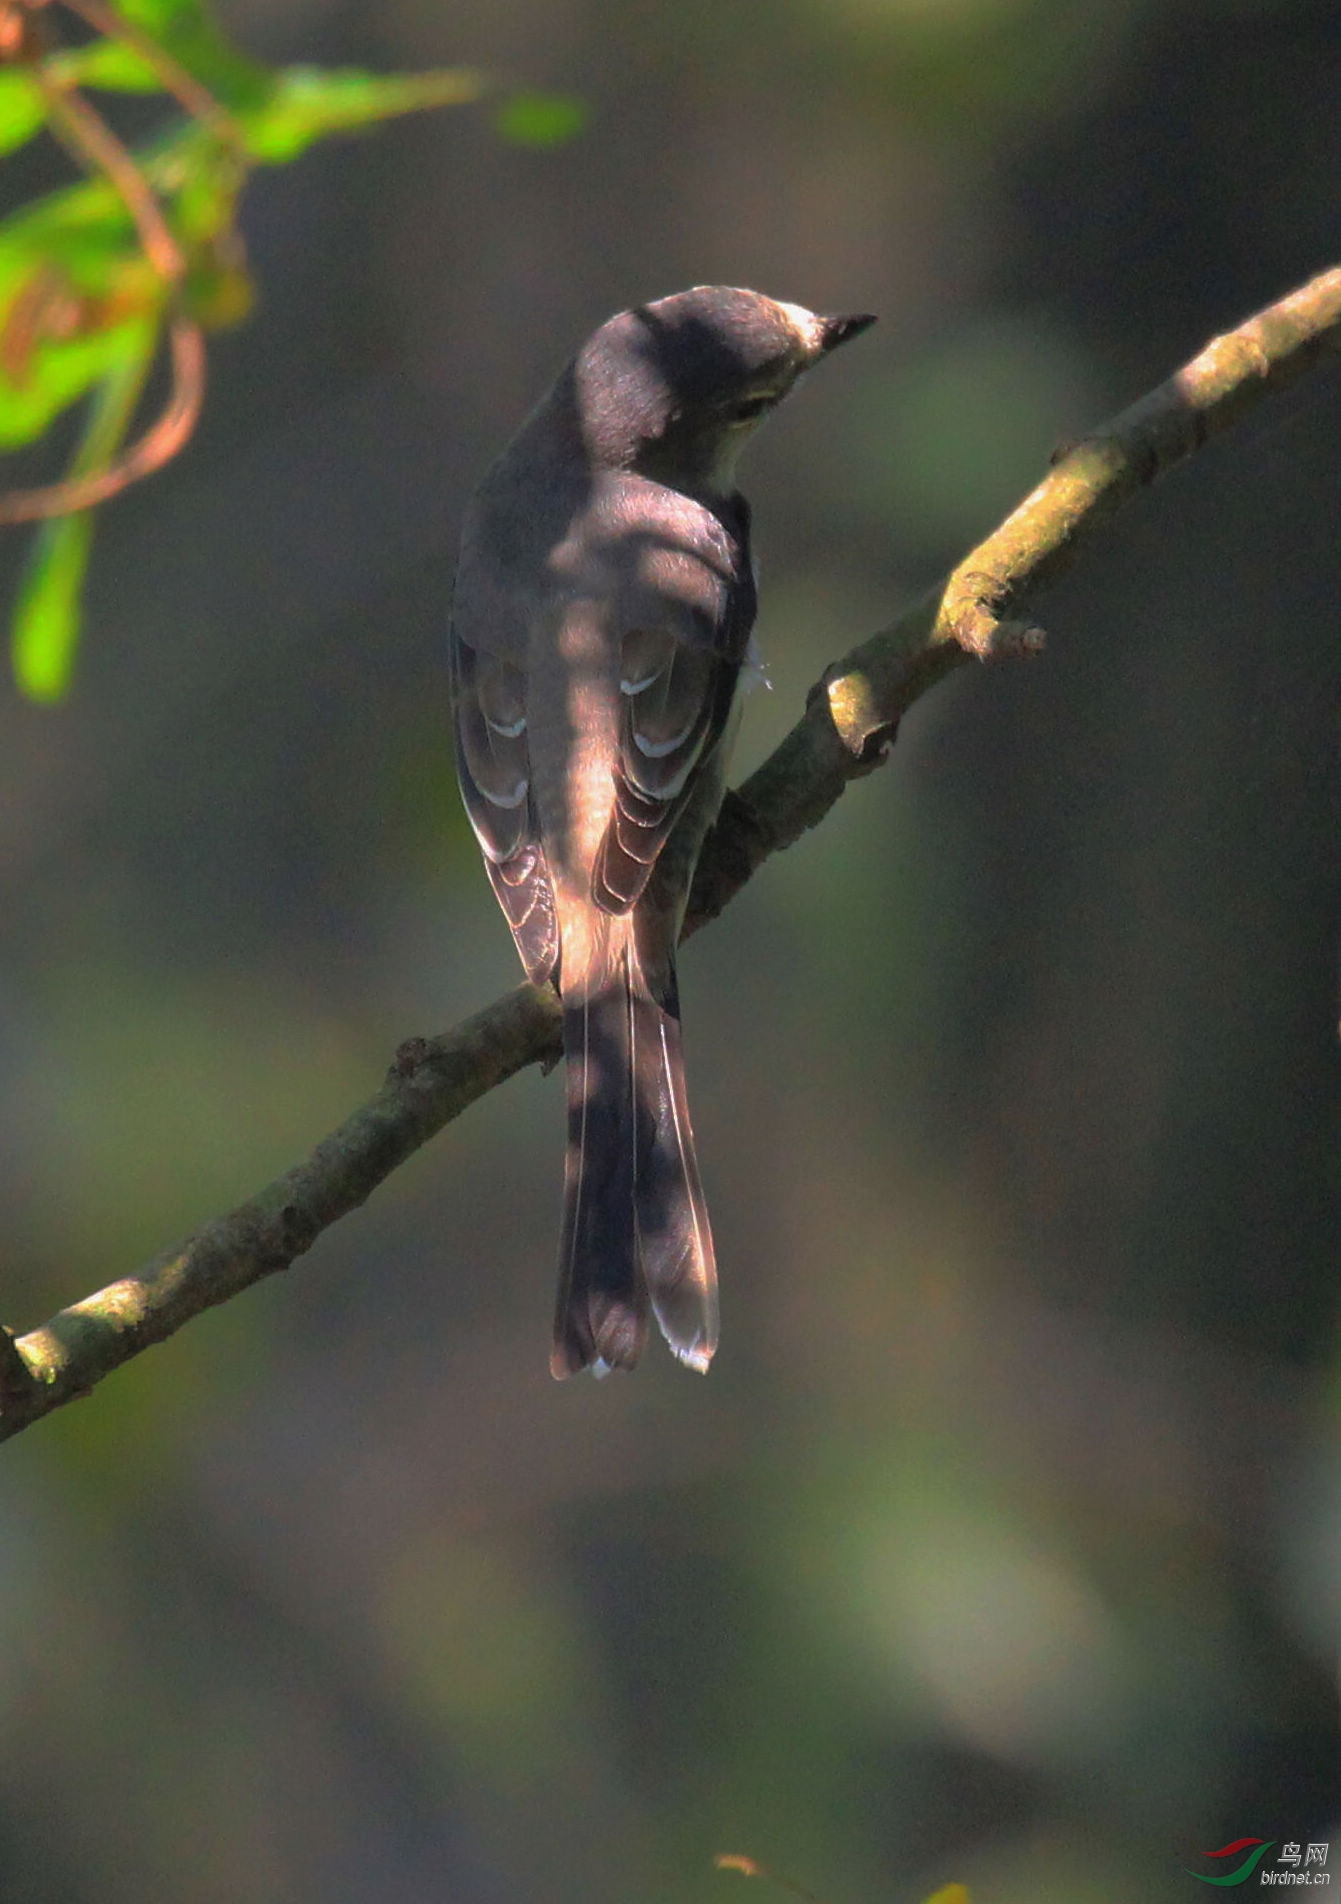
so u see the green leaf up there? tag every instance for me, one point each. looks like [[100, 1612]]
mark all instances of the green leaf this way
[[107, 65], [540, 119], [186, 29], [71, 277], [76, 251], [83, 229], [47, 615], [64, 371], [307, 102], [22, 111], [163, 18], [45, 635], [81, 307]]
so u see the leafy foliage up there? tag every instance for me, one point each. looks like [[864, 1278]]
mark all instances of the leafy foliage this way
[[84, 308]]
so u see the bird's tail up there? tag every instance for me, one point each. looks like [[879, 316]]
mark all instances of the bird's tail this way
[[635, 1224]]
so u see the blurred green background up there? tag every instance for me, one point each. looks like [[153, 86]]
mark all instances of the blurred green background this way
[[1003, 1542]]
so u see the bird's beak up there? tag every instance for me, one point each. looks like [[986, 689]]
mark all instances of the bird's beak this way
[[837, 330]]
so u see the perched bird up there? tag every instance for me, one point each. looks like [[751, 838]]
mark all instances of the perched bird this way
[[601, 618]]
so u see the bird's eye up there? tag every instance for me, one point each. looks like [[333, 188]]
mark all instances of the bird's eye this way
[[751, 408]]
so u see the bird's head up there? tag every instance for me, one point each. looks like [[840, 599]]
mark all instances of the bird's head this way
[[674, 389]]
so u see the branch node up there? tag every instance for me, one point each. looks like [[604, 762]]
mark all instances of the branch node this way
[[972, 617], [1013, 641], [1239, 354], [861, 723], [297, 1234], [876, 748], [410, 1054]]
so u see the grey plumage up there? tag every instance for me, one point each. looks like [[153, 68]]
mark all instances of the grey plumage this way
[[602, 613]]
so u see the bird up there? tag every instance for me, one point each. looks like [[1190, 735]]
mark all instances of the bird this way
[[600, 626]]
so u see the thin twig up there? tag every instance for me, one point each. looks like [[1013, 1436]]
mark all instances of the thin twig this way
[[95, 147], [850, 719], [751, 1868], [184, 86], [170, 431]]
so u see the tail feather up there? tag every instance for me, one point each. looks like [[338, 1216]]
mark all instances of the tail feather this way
[[601, 1316], [635, 1224], [674, 1235]]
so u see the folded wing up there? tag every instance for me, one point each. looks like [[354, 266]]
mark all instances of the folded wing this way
[[675, 700], [493, 760]]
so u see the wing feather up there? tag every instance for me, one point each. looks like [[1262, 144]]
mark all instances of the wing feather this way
[[677, 679], [494, 764]]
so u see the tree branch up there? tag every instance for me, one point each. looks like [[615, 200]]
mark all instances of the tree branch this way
[[850, 720]]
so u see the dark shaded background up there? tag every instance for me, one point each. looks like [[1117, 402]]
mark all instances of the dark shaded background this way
[[1002, 1542]]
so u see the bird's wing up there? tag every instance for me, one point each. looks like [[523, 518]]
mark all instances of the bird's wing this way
[[494, 764], [686, 629]]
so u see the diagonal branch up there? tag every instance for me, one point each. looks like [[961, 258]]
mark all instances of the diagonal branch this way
[[850, 720]]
